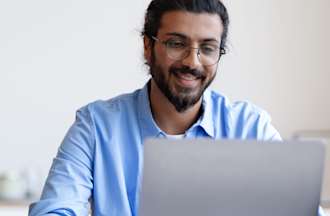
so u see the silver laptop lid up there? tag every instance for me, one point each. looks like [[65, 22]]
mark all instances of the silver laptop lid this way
[[207, 177]]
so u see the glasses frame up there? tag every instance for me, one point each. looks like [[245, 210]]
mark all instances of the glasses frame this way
[[222, 52]]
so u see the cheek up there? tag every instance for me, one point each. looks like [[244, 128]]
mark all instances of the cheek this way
[[162, 61], [211, 71]]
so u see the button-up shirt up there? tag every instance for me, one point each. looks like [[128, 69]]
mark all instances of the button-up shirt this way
[[100, 159]]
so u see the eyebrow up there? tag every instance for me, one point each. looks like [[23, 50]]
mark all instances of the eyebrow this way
[[180, 35]]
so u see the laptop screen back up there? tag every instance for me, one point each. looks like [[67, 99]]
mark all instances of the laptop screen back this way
[[207, 177]]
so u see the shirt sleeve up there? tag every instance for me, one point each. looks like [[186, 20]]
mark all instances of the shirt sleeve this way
[[70, 180], [247, 121], [321, 212], [266, 131]]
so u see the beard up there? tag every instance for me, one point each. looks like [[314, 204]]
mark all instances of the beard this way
[[181, 98]]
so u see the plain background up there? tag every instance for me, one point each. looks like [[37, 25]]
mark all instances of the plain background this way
[[57, 56]]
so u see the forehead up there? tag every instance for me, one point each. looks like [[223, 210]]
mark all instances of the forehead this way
[[196, 26]]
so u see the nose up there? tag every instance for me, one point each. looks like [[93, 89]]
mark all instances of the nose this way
[[192, 59]]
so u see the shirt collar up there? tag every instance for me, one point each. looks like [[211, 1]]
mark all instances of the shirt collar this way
[[149, 127], [206, 120]]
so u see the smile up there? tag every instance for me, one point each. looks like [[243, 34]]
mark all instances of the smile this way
[[187, 80], [186, 76]]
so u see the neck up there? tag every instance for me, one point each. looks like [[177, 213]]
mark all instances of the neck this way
[[167, 117]]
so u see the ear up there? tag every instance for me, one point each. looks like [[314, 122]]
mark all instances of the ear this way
[[147, 49]]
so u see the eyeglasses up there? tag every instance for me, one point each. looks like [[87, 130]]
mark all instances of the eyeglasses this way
[[178, 49]]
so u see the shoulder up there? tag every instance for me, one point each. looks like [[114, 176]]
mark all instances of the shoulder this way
[[112, 108], [243, 119], [115, 104], [236, 109]]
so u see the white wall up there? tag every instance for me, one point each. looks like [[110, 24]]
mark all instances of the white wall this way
[[56, 56], [280, 60]]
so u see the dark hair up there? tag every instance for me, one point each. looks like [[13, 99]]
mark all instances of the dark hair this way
[[157, 8]]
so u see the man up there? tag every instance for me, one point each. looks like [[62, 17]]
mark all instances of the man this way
[[101, 156]]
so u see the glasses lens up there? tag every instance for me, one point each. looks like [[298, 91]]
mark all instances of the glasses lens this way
[[207, 60], [177, 53], [206, 57]]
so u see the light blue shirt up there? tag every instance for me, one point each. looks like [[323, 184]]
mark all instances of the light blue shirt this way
[[101, 157]]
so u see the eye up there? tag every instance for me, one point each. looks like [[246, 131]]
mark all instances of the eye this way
[[209, 49], [175, 44]]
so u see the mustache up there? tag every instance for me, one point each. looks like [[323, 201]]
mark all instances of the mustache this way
[[186, 70]]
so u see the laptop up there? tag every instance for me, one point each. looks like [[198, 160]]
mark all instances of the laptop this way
[[325, 137], [195, 177]]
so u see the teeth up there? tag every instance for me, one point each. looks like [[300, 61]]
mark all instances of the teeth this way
[[187, 77]]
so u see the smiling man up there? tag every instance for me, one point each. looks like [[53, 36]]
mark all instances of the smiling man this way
[[100, 159], [183, 57]]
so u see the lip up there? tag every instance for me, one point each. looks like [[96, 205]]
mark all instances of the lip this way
[[187, 80]]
